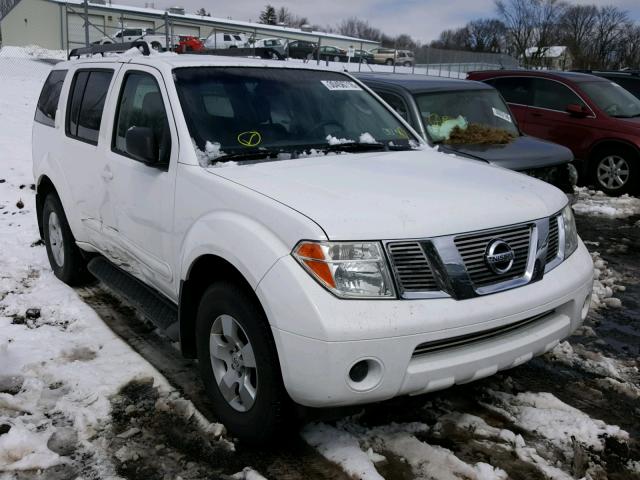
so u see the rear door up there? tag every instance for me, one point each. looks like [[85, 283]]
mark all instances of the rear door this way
[[83, 159], [518, 93], [141, 196], [548, 117]]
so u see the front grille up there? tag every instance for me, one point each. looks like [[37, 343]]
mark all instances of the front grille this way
[[462, 340], [472, 249], [553, 242], [411, 267]]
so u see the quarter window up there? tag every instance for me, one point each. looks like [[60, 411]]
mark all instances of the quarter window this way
[[141, 105], [514, 89], [553, 95], [86, 104], [396, 102], [48, 101]]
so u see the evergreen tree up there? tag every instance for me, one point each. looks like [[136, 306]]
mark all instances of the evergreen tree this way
[[268, 15]]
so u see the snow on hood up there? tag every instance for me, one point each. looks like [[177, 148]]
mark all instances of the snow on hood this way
[[389, 195]]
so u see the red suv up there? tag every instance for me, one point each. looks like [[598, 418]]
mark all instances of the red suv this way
[[596, 118]]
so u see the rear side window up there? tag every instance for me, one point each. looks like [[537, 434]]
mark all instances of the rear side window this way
[[48, 101], [553, 95], [514, 89], [88, 94]]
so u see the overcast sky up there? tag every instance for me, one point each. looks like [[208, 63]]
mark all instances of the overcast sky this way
[[422, 19]]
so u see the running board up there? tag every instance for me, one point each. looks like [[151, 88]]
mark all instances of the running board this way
[[149, 303]]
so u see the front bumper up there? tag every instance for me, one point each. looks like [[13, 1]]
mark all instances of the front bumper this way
[[320, 337]]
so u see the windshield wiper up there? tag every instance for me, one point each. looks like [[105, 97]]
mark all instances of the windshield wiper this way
[[249, 154]]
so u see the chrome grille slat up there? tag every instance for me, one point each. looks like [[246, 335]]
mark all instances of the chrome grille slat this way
[[411, 267], [472, 248], [553, 242], [484, 335]]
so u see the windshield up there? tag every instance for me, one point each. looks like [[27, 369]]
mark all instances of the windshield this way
[[613, 99], [229, 110], [466, 117]]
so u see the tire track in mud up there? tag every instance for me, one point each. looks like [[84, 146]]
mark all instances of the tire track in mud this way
[[290, 458]]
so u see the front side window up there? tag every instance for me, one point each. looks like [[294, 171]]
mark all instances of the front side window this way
[[141, 106], [466, 117], [514, 89], [242, 109], [48, 101], [613, 99], [554, 95], [88, 94], [227, 38]]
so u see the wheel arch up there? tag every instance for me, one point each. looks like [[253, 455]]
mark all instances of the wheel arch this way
[[43, 188], [203, 271], [605, 143]]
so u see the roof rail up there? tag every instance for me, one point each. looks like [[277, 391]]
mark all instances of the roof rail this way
[[110, 47]]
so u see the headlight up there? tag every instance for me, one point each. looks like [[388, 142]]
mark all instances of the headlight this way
[[348, 269], [570, 231]]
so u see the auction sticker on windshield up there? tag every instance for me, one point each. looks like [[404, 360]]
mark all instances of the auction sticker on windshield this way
[[500, 114], [340, 85]]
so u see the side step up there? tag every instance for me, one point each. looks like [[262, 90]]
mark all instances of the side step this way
[[151, 304]]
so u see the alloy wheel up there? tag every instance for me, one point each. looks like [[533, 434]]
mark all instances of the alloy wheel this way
[[56, 241], [233, 363], [613, 172]]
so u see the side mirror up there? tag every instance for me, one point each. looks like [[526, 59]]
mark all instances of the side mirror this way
[[577, 110], [141, 144]]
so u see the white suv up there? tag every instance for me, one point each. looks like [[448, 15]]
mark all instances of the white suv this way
[[312, 248]]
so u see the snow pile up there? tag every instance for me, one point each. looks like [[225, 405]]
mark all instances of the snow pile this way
[[32, 51], [605, 284], [558, 423], [24, 447], [338, 141], [591, 202], [366, 137], [356, 449], [590, 361]]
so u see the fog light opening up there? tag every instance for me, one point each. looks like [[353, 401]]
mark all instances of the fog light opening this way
[[364, 374], [585, 307], [359, 371]]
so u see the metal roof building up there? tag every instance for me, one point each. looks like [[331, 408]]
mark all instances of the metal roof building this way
[[59, 24]]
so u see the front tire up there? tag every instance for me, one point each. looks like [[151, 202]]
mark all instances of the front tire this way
[[239, 364], [65, 257], [615, 171]]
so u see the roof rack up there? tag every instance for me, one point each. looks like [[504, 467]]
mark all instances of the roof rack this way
[[111, 48]]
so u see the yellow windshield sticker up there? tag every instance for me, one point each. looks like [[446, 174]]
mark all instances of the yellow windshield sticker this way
[[402, 133], [250, 138]]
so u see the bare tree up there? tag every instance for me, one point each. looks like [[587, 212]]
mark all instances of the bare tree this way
[[611, 25], [577, 25], [486, 35], [531, 23], [630, 52], [284, 16], [354, 27]]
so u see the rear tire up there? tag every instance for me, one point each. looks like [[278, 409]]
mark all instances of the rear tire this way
[[389, 62], [66, 259], [615, 170], [247, 393]]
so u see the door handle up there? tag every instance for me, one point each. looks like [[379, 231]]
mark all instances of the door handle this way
[[107, 176]]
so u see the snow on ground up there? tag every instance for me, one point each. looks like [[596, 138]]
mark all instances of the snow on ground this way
[[606, 282], [592, 202]]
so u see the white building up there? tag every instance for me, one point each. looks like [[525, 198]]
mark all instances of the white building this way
[[59, 24]]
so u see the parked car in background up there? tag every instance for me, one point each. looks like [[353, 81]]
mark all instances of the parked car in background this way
[[301, 49], [628, 79], [333, 54], [594, 117], [435, 106], [226, 40], [362, 56], [155, 41], [189, 43], [387, 56], [275, 44]]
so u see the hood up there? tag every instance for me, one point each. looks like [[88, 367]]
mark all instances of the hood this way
[[523, 153], [397, 195]]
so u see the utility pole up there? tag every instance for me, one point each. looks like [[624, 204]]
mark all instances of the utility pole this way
[[86, 23]]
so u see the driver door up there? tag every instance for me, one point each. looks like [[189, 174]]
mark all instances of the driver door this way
[[548, 118], [141, 194]]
